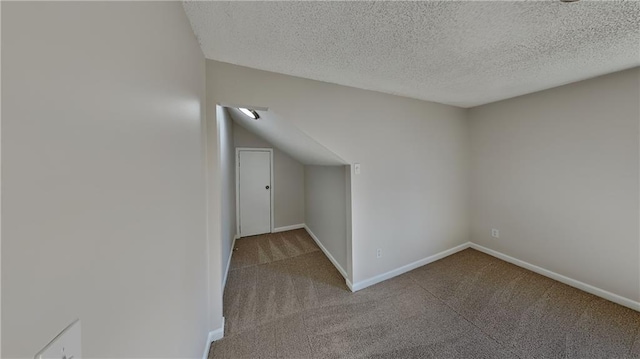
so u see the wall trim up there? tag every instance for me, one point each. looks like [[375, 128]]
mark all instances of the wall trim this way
[[326, 253], [349, 284], [213, 336], [406, 268], [560, 278], [226, 272], [288, 228]]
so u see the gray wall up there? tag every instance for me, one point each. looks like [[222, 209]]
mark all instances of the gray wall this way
[[288, 177], [102, 179], [414, 156], [227, 155], [557, 173], [325, 198]]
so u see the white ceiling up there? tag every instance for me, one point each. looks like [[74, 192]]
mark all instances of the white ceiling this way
[[287, 138], [458, 53]]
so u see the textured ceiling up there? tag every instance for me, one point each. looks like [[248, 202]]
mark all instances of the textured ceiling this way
[[458, 53], [287, 138]]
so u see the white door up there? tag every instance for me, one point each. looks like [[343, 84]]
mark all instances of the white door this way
[[254, 192]]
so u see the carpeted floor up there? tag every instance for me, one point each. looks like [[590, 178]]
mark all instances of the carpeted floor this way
[[284, 299]]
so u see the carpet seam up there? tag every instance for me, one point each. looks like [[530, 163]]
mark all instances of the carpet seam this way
[[633, 340], [273, 261], [504, 346], [306, 328], [467, 320]]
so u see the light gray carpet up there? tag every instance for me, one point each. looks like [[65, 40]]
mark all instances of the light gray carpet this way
[[284, 299]]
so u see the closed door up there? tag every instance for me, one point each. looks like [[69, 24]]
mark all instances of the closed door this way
[[254, 192]]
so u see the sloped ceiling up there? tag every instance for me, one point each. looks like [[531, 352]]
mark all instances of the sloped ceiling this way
[[462, 53], [287, 138]]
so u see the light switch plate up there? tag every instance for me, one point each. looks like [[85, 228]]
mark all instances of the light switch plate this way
[[66, 345], [356, 167]]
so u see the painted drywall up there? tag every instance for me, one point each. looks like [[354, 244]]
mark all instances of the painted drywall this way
[[325, 198], [349, 220], [288, 178], [103, 185], [214, 173], [557, 173], [411, 199], [227, 155], [0, 192]]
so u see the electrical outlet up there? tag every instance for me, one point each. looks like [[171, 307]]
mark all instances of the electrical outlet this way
[[66, 345], [379, 253], [495, 233]]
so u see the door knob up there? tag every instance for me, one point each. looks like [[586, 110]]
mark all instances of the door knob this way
[[266, 187]]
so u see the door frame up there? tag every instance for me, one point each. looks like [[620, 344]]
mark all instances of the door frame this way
[[258, 149]]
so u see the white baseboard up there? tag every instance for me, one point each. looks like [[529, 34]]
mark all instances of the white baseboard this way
[[560, 278], [226, 272], [349, 284], [326, 252], [288, 228], [406, 268], [212, 337]]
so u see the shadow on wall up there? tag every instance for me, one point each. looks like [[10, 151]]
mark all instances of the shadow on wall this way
[[287, 138]]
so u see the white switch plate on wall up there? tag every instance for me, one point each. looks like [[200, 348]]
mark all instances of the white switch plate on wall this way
[[66, 345], [356, 167]]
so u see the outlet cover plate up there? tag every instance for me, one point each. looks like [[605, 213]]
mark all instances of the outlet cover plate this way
[[66, 345]]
